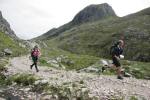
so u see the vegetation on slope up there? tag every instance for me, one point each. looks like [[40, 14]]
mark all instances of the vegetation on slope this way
[[7, 42], [96, 38]]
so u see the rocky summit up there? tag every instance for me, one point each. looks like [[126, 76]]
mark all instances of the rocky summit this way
[[93, 13]]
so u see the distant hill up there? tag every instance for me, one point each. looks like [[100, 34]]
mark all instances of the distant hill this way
[[95, 35]]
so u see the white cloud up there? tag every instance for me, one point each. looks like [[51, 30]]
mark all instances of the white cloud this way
[[31, 18]]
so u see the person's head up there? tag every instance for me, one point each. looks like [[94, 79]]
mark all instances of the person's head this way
[[121, 43], [35, 47]]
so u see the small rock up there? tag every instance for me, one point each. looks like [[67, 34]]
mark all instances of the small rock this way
[[27, 89], [44, 81], [21, 89]]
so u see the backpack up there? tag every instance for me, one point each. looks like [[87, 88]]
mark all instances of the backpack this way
[[112, 48], [32, 53], [35, 53]]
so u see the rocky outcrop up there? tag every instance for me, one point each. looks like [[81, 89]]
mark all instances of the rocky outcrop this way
[[93, 13]]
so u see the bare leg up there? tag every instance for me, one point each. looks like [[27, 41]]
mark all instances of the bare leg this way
[[119, 71], [112, 66]]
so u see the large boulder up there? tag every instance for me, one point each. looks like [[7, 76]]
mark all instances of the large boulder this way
[[7, 52]]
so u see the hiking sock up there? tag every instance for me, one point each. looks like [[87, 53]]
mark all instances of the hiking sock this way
[[37, 70], [103, 68]]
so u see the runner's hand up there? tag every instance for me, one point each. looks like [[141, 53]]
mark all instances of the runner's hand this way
[[117, 58]]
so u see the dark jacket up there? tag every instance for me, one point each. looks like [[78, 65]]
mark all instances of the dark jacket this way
[[117, 51]]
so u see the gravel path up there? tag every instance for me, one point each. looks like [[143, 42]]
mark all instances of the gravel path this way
[[99, 85]]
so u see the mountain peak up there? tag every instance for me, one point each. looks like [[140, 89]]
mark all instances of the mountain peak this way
[[93, 13]]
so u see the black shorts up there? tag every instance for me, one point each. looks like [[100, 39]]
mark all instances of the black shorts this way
[[35, 59], [116, 62]]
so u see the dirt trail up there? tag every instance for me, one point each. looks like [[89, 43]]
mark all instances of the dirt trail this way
[[99, 85]]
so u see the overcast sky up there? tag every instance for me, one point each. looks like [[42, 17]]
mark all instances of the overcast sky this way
[[31, 18]]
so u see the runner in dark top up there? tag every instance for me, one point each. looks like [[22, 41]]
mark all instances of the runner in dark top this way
[[118, 50]]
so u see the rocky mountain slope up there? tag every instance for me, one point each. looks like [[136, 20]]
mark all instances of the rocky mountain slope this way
[[10, 43], [96, 36], [5, 27]]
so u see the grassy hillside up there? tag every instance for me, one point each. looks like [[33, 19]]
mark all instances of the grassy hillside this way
[[69, 60], [13, 45], [97, 37]]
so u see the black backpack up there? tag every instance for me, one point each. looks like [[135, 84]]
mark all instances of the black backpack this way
[[112, 48]]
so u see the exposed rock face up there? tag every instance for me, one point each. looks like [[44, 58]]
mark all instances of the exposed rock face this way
[[93, 13], [5, 27]]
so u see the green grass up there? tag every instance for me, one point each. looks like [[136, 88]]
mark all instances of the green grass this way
[[3, 62], [133, 98], [19, 79], [13, 45], [137, 69], [72, 61]]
